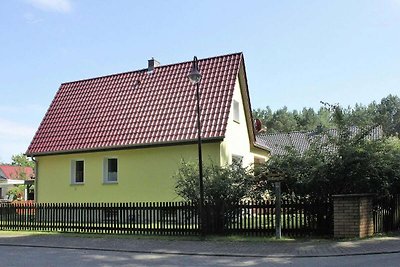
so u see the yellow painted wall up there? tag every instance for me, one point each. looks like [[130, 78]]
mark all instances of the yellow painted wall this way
[[237, 140], [143, 174]]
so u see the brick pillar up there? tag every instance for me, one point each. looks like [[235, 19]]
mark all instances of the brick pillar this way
[[352, 215]]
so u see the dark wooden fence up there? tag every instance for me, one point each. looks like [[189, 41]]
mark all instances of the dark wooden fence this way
[[175, 218], [299, 218], [386, 214]]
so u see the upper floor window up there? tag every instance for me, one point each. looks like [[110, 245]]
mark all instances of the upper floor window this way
[[236, 114], [77, 171], [110, 170]]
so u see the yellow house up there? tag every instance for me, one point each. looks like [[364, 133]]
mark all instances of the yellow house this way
[[121, 138]]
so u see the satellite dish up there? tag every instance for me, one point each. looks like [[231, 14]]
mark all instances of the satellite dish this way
[[257, 125]]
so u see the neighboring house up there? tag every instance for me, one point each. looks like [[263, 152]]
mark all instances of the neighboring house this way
[[300, 141], [11, 176], [122, 137]]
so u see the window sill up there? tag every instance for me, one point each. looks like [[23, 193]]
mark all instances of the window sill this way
[[110, 182], [77, 183]]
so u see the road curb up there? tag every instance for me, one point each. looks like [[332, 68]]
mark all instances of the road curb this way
[[182, 253]]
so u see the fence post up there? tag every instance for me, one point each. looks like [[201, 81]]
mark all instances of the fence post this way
[[278, 224], [353, 215], [396, 215], [1, 216]]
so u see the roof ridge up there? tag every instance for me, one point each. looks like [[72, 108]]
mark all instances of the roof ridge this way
[[11, 165], [145, 69]]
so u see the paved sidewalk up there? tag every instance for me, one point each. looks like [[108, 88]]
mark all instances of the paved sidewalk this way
[[315, 248]]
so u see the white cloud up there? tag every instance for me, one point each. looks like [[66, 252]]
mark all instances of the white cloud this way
[[31, 18], [17, 109], [14, 138], [62, 6], [8, 149], [15, 130]]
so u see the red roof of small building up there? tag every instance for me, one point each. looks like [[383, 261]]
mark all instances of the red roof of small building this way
[[138, 108], [16, 172]]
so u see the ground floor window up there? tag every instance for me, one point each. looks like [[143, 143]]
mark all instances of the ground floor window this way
[[77, 171], [110, 170], [237, 159]]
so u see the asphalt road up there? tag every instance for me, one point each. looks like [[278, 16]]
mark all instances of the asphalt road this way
[[48, 257]]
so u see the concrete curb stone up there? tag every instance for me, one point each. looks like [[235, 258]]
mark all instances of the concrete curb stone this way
[[386, 245]]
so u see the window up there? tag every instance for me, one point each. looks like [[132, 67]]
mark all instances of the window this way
[[236, 159], [77, 171], [110, 170], [236, 111]]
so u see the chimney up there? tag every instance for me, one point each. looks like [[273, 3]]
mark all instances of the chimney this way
[[152, 64]]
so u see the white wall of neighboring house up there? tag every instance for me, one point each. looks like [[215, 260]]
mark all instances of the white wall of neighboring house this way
[[4, 189]]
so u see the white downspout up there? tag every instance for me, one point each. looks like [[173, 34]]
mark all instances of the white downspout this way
[[36, 178]]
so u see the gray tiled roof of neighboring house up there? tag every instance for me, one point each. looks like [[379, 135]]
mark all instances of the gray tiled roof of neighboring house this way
[[278, 142], [300, 141]]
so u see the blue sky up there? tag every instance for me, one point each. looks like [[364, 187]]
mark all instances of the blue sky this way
[[297, 53]]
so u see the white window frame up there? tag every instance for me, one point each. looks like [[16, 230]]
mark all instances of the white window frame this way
[[236, 111], [106, 177], [73, 171]]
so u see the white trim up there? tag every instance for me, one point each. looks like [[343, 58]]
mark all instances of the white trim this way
[[12, 182]]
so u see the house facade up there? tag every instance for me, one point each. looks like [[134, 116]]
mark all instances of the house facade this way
[[122, 137]]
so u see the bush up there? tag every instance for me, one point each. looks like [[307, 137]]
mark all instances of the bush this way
[[17, 192], [227, 184]]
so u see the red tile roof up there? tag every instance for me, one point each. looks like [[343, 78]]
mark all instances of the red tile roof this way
[[138, 108], [15, 172]]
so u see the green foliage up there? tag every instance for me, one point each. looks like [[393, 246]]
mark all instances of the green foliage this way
[[340, 163], [22, 160], [385, 113], [16, 192], [388, 114], [221, 184], [283, 120]]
